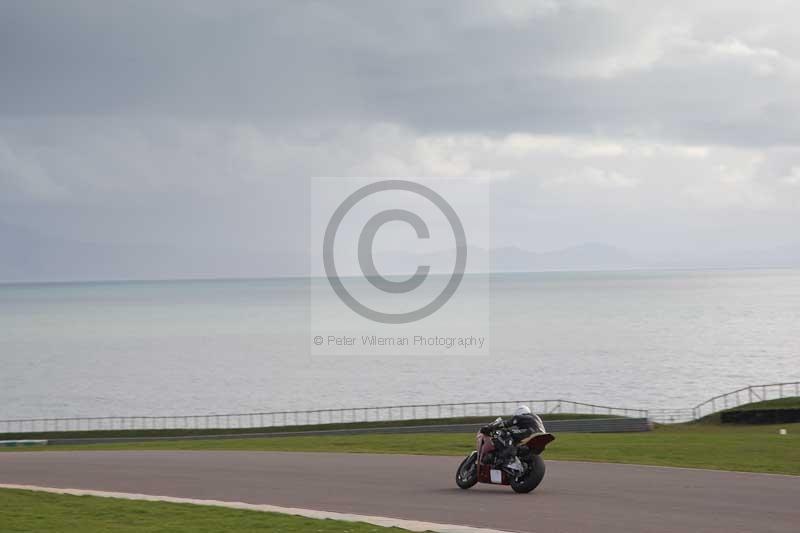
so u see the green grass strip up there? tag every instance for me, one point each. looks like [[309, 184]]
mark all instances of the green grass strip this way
[[29, 511], [782, 403], [723, 447]]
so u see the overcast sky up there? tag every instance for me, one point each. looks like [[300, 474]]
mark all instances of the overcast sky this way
[[651, 126]]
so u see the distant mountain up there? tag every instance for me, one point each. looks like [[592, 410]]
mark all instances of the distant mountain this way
[[29, 256], [588, 256]]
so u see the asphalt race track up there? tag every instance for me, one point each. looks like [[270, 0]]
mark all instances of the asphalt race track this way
[[574, 497]]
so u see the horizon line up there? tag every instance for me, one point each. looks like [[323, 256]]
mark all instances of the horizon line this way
[[111, 281]]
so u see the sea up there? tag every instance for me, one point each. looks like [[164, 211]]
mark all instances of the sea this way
[[635, 339]]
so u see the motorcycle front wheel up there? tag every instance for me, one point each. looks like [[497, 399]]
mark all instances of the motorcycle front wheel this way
[[467, 473], [531, 479]]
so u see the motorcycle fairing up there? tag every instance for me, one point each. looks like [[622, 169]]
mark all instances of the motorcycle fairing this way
[[538, 441]]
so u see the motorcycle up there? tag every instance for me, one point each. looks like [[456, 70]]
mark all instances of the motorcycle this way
[[485, 466]]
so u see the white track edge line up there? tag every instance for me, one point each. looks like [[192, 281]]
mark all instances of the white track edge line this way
[[411, 525]]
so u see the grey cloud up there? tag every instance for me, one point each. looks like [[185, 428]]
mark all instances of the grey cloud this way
[[196, 124], [572, 68]]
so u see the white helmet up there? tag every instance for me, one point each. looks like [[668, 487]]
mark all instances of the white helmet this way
[[522, 410]]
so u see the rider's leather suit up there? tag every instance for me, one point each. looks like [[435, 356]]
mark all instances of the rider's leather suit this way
[[518, 427]]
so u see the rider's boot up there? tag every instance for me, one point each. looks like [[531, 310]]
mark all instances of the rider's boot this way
[[516, 465]]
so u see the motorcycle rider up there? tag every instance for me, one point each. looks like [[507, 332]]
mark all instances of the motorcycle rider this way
[[521, 425]]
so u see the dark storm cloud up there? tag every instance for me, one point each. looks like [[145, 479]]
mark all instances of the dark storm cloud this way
[[569, 68]]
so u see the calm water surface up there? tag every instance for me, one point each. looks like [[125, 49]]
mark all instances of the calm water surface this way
[[633, 339]]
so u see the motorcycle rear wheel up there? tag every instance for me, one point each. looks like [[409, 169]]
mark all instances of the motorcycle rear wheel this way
[[467, 473], [532, 477]]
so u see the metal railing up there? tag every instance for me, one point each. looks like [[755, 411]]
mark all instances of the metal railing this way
[[729, 400], [753, 393], [310, 417], [670, 416], [749, 394]]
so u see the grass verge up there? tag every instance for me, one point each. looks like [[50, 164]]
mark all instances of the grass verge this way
[[792, 402], [722, 447], [28, 511], [781, 403]]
